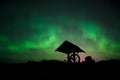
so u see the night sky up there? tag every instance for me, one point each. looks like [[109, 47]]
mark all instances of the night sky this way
[[31, 30]]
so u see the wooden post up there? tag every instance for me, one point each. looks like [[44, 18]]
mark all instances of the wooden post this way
[[74, 57], [68, 58]]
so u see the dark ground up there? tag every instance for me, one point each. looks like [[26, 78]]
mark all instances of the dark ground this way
[[103, 70]]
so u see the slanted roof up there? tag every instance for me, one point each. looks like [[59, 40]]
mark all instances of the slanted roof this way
[[68, 47]]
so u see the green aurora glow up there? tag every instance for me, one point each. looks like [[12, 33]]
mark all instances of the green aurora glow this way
[[33, 32]]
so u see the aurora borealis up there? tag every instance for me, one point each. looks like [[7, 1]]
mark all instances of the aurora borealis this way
[[31, 30]]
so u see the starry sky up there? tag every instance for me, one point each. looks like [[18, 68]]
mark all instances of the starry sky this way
[[31, 30]]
